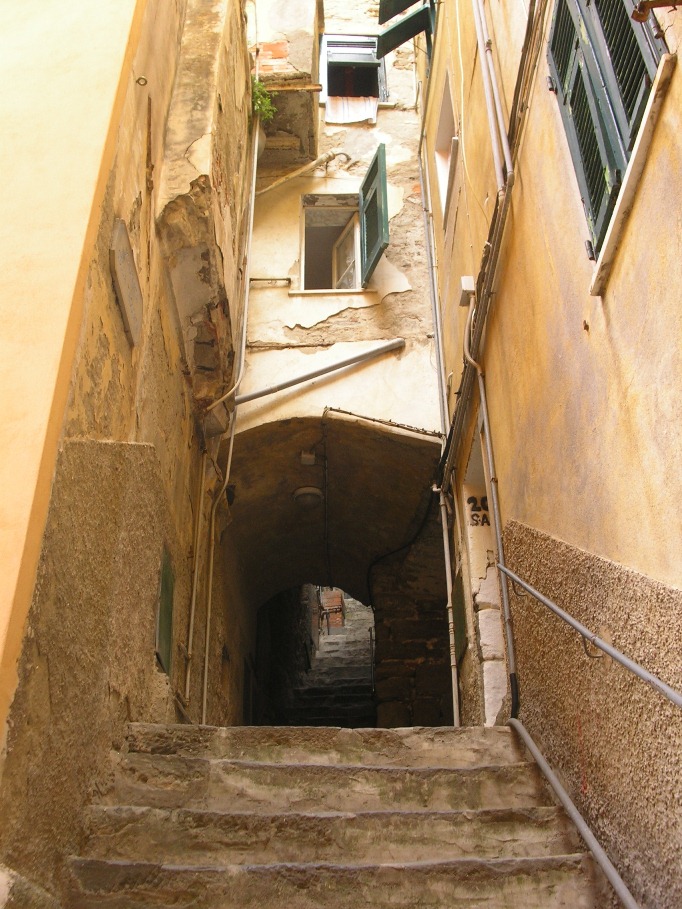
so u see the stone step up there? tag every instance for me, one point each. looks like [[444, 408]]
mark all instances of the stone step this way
[[426, 746], [348, 721], [555, 882], [339, 689], [173, 781], [340, 703], [183, 836]]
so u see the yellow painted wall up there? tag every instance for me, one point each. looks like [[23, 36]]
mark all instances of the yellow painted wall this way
[[64, 68], [586, 415]]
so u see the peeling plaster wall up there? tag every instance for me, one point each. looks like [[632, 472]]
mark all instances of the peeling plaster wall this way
[[202, 203], [585, 413], [127, 482]]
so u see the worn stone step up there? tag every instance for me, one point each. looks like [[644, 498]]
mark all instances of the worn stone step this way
[[340, 690], [339, 671], [174, 781], [556, 882], [350, 721], [341, 704], [421, 746], [183, 836]]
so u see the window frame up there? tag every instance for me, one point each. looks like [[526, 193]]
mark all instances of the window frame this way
[[370, 207], [596, 123], [351, 41]]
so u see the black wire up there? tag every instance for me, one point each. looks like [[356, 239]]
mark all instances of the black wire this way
[[404, 546]]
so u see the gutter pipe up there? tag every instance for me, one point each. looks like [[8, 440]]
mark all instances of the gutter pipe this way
[[242, 363], [490, 106], [311, 165], [395, 344]]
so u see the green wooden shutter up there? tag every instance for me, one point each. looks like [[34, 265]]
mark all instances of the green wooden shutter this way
[[390, 8], [404, 29], [373, 207], [588, 120], [627, 55], [164, 620]]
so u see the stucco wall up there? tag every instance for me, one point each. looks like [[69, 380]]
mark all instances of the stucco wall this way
[[94, 606], [88, 663], [63, 62], [585, 414], [616, 742]]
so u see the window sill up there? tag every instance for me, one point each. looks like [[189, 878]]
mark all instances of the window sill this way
[[633, 175], [356, 291]]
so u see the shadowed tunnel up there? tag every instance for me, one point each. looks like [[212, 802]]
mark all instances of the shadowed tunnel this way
[[346, 502]]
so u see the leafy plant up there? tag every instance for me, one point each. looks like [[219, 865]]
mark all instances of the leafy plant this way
[[261, 101]]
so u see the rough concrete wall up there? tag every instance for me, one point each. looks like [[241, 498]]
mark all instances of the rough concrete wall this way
[[616, 743], [88, 664], [202, 202], [412, 657]]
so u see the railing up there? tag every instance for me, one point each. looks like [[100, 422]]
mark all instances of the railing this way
[[670, 693], [649, 678]]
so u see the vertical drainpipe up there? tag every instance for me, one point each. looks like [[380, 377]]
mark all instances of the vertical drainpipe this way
[[443, 401]]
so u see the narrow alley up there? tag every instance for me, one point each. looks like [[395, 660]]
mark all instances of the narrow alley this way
[[342, 455]]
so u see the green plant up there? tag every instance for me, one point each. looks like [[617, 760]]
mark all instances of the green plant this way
[[261, 101]]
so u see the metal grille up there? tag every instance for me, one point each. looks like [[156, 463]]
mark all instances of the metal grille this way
[[563, 42], [589, 146], [626, 57]]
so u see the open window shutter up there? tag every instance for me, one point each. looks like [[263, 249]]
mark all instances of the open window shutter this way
[[404, 29], [390, 8], [588, 121], [630, 57], [373, 207]]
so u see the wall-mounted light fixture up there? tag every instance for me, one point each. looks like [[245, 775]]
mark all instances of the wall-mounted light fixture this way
[[308, 497]]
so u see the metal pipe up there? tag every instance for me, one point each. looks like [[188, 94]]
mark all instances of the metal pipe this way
[[451, 616], [670, 693], [427, 212], [311, 165], [489, 101], [211, 557], [501, 125], [396, 344], [591, 841], [195, 576], [242, 364], [497, 519]]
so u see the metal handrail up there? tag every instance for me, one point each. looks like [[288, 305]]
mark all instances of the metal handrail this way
[[670, 693], [590, 839]]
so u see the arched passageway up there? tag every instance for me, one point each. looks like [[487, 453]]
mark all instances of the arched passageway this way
[[340, 501]]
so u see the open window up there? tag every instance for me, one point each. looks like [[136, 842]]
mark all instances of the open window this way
[[350, 68], [446, 150], [345, 235]]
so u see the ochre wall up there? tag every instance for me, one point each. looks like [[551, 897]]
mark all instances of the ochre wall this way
[[66, 67], [585, 412]]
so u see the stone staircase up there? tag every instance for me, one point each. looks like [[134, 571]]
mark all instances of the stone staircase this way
[[337, 691], [326, 818]]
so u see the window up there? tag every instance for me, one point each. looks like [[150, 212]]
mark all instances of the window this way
[[603, 65], [446, 149], [344, 235], [350, 68]]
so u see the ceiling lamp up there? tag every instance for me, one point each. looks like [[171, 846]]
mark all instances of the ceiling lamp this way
[[308, 497]]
